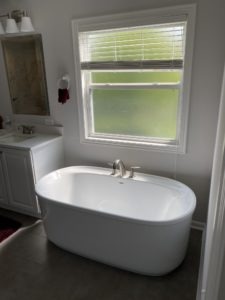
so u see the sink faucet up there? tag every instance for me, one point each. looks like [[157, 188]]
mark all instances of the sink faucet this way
[[26, 129], [119, 165]]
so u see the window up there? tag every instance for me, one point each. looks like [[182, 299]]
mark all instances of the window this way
[[134, 79]]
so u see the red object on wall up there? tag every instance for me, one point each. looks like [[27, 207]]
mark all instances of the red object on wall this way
[[63, 95]]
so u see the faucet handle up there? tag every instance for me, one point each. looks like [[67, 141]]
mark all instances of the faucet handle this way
[[113, 169], [26, 129], [131, 175]]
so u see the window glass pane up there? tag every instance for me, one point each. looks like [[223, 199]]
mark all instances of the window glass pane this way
[[148, 113], [136, 77]]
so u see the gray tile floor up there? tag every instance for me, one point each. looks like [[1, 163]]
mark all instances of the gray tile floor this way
[[31, 268]]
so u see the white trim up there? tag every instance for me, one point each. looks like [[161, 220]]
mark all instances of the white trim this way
[[190, 31], [130, 86], [211, 290], [200, 270], [128, 144], [142, 17], [215, 235], [198, 225], [147, 17]]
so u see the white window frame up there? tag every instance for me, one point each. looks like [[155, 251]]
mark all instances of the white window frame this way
[[140, 18]]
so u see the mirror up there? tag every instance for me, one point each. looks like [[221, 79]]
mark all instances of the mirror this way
[[24, 61]]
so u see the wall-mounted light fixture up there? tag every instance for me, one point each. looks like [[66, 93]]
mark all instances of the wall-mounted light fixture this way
[[13, 19]]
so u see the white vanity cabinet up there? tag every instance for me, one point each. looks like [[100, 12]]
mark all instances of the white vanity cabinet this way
[[20, 168], [19, 179]]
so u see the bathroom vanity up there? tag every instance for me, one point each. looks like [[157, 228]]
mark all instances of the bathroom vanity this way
[[23, 161]]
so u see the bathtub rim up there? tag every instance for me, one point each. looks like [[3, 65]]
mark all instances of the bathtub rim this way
[[138, 177]]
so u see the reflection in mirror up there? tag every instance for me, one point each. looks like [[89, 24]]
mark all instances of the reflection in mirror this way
[[25, 69]]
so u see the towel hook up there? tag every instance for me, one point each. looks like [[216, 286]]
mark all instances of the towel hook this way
[[64, 82], [63, 85]]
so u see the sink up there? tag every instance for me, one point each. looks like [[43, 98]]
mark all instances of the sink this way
[[14, 138]]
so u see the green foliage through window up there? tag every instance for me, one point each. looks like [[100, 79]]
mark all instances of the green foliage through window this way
[[148, 113]]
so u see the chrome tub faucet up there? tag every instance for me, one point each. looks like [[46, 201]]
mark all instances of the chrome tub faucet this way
[[118, 165], [119, 170]]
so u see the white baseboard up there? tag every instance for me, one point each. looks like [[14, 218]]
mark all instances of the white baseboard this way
[[200, 291], [198, 225]]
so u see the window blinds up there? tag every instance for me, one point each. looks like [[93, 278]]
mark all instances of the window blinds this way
[[144, 47]]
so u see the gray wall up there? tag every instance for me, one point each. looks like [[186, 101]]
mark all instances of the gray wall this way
[[52, 19]]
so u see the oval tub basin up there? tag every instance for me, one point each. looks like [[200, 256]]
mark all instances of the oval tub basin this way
[[140, 224]]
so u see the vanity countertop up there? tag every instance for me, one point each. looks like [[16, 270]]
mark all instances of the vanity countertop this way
[[27, 142]]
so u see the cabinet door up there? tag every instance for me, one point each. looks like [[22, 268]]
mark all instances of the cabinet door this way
[[3, 195], [20, 182]]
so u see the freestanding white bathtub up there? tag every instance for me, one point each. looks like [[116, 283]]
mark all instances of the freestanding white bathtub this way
[[140, 224]]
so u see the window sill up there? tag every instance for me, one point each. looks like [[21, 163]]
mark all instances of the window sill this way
[[164, 147]]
